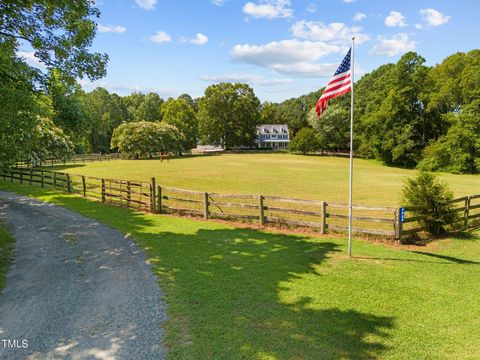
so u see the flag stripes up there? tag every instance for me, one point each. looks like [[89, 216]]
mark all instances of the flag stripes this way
[[339, 84]]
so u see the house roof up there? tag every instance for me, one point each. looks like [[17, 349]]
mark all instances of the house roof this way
[[272, 129]]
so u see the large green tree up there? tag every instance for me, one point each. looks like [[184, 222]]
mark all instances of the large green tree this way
[[146, 138], [458, 151], [60, 34], [150, 108], [397, 128], [228, 114], [179, 113], [333, 128], [105, 112]]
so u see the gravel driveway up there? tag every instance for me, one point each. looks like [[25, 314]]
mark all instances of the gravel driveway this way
[[76, 290]]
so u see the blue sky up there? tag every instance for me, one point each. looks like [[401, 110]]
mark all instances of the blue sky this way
[[282, 48]]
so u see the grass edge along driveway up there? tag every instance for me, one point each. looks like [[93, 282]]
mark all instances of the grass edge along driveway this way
[[6, 253], [241, 293]]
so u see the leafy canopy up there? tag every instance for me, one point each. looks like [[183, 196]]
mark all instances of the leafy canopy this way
[[228, 115]]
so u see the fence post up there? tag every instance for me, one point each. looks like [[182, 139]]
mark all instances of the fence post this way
[[261, 210], [129, 193], [84, 186], [54, 180], [159, 199], [466, 213], [42, 179], [323, 223], [30, 177], [153, 191], [103, 190], [398, 224], [11, 174], [205, 206], [69, 185], [21, 175]]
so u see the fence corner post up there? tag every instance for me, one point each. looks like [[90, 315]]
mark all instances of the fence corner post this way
[[54, 180], [153, 191], [103, 190], [30, 177], [42, 179], [323, 224], [398, 224], [206, 213], [466, 212], [261, 209], [159, 199]]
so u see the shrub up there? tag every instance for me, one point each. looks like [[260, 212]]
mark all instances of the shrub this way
[[429, 197], [305, 141]]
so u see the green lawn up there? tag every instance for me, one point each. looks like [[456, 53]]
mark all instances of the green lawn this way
[[237, 293], [309, 177], [6, 253]]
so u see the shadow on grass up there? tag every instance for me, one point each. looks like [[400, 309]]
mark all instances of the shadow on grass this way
[[451, 259], [222, 286], [227, 284]]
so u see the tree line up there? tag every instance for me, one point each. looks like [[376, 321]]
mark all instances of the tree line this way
[[406, 114]]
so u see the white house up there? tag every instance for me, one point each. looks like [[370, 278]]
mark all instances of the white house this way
[[273, 135]]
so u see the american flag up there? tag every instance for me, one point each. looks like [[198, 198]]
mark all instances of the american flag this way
[[339, 85]]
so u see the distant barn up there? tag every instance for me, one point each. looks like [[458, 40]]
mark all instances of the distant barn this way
[[273, 136]]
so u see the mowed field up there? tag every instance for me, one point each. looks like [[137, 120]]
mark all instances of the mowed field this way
[[240, 293], [305, 177]]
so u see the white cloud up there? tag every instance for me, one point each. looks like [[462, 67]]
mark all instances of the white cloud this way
[[30, 58], [393, 45], [434, 17], [348, 1], [418, 26], [161, 37], [359, 16], [395, 18], [306, 69], [218, 2], [334, 32], [111, 29], [146, 4], [246, 78], [269, 9], [200, 39], [287, 56], [312, 8]]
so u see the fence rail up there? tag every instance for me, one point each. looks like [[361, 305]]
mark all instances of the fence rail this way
[[319, 215]]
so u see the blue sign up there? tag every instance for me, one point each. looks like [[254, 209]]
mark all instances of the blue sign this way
[[402, 215]]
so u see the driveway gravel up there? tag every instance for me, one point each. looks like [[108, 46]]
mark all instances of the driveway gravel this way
[[76, 289]]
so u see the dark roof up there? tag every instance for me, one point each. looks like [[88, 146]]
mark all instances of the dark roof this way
[[272, 128]]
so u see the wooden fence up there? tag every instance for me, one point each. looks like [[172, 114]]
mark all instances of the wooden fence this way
[[75, 159], [466, 208], [285, 212]]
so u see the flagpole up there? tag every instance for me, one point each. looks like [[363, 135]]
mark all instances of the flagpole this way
[[350, 193]]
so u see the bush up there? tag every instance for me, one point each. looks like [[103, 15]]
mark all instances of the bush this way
[[305, 141], [431, 198]]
